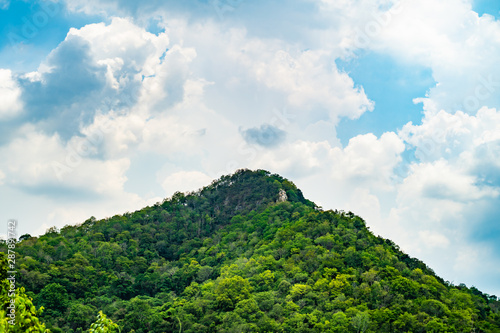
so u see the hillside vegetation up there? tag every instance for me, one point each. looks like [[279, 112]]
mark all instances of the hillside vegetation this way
[[234, 257]]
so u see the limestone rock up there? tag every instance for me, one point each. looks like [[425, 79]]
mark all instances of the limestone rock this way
[[282, 197]]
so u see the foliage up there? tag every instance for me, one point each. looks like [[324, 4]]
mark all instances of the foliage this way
[[21, 315], [103, 325], [231, 258]]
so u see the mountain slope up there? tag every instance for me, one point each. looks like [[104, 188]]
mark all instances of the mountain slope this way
[[246, 254]]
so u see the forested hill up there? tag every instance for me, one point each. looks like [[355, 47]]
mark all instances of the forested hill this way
[[246, 254]]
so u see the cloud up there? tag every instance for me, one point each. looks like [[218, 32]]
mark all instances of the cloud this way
[[266, 135], [311, 80], [56, 92], [295, 159], [433, 239], [458, 45], [185, 181], [440, 180], [368, 160], [125, 48], [43, 164], [97, 68], [10, 94], [468, 141]]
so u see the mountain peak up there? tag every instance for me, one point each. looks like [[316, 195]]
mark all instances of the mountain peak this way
[[243, 191]]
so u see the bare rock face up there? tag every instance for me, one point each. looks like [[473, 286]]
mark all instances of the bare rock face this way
[[282, 197]]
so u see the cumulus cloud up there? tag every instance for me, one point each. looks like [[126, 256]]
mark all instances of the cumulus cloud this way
[[96, 68], [248, 77], [10, 94], [368, 159], [311, 80], [448, 134], [57, 91], [36, 161], [456, 155], [440, 180], [458, 45]]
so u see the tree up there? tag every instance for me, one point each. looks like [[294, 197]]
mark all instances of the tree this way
[[54, 298], [361, 322], [104, 325], [232, 290], [17, 312], [79, 315]]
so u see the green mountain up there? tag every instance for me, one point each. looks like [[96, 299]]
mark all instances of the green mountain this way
[[247, 253]]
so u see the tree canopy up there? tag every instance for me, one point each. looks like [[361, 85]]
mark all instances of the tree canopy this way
[[235, 257]]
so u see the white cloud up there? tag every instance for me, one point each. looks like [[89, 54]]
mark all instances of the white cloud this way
[[247, 77], [365, 204], [459, 46], [310, 79], [185, 181], [167, 85], [296, 159], [433, 239], [35, 161], [98, 68], [442, 181], [123, 44], [368, 159], [450, 134], [10, 95]]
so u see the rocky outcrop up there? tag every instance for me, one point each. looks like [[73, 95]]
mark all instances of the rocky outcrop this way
[[282, 197]]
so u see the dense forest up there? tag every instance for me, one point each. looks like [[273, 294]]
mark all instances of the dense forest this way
[[247, 253]]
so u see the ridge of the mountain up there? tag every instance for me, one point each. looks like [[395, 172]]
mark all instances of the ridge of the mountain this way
[[247, 253], [246, 189]]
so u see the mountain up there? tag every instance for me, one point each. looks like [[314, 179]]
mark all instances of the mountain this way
[[247, 253]]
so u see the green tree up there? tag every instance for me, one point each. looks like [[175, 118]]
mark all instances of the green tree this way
[[103, 325], [232, 290], [361, 322], [54, 298], [17, 312], [80, 315]]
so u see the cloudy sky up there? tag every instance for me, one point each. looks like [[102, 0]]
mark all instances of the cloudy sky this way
[[387, 108]]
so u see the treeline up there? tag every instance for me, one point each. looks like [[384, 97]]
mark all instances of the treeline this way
[[230, 258]]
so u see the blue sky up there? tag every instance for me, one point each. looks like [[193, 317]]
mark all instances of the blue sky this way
[[387, 108], [487, 7], [392, 86]]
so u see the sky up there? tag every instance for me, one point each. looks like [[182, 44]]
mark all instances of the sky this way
[[386, 108]]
